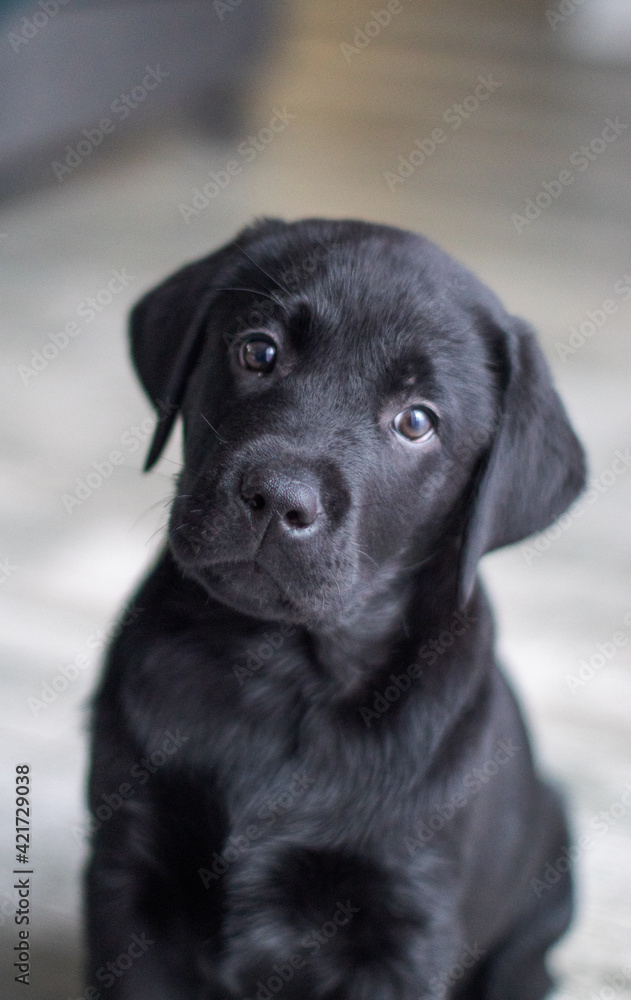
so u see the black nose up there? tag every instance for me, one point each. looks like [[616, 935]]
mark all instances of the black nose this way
[[297, 503]]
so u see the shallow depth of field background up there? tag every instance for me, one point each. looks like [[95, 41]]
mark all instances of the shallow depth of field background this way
[[109, 220]]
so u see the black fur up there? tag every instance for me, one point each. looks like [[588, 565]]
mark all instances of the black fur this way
[[309, 776]]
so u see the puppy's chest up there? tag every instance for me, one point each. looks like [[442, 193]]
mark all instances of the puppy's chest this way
[[305, 769], [278, 749]]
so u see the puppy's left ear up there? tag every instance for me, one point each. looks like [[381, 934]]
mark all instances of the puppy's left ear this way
[[535, 467]]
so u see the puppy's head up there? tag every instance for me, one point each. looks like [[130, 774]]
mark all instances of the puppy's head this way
[[354, 401]]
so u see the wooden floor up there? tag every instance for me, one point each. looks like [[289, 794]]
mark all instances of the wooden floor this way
[[353, 117]]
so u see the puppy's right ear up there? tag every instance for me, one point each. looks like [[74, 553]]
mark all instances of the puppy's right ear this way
[[167, 330], [167, 327]]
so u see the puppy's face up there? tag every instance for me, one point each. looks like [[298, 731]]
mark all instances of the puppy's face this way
[[331, 424], [346, 388]]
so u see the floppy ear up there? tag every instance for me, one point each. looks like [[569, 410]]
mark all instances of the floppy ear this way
[[167, 329], [535, 467]]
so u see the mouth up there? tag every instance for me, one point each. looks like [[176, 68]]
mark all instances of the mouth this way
[[270, 579], [244, 575], [244, 584]]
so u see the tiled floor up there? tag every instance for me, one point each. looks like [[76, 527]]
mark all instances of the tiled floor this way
[[354, 115]]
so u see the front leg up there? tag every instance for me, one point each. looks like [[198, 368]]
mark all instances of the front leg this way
[[153, 929], [329, 924]]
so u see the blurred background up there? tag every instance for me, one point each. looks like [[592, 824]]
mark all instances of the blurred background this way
[[500, 130]]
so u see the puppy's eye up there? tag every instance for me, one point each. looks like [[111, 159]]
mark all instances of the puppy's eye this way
[[258, 354], [416, 423]]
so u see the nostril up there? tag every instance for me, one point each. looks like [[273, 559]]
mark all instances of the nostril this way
[[295, 502], [252, 492], [257, 502], [297, 519], [301, 506]]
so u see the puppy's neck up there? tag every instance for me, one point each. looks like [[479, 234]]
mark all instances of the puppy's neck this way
[[403, 612]]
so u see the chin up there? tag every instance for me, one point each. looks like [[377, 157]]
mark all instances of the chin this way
[[246, 588], [252, 589], [249, 589]]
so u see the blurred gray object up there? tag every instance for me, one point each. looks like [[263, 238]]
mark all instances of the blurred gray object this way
[[67, 65]]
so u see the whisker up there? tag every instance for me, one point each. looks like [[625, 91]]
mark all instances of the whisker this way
[[408, 569], [164, 475], [153, 534], [266, 273], [164, 501], [361, 551], [254, 291], [223, 440]]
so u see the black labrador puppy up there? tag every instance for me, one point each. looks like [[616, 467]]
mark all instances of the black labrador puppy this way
[[309, 777]]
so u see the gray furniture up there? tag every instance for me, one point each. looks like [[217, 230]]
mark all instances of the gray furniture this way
[[67, 65]]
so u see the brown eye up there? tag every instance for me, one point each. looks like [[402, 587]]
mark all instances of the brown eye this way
[[415, 423], [258, 354]]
